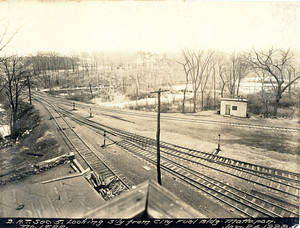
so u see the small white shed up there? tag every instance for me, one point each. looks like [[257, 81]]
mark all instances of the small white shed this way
[[233, 107]]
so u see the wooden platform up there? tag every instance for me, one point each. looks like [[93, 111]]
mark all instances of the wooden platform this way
[[53, 194], [147, 200], [64, 198]]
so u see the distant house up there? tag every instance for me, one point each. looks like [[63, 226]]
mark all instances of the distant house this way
[[233, 107]]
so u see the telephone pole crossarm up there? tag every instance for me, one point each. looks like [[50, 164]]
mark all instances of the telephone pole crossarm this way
[[159, 91]]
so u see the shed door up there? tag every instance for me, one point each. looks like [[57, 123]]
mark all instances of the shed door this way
[[227, 110]]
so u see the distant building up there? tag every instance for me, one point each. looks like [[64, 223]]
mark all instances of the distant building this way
[[233, 107]]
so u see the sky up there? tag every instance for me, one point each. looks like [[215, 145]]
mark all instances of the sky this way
[[168, 26]]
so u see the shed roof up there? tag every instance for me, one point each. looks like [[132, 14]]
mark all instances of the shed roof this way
[[236, 100]]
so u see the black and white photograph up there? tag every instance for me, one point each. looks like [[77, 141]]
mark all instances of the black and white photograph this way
[[149, 113]]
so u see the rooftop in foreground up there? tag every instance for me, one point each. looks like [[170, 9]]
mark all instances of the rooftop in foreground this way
[[70, 197], [57, 194]]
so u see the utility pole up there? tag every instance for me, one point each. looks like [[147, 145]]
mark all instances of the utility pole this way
[[157, 135]]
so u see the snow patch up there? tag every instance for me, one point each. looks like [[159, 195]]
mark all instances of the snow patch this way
[[4, 130], [47, 135], [1, 109]]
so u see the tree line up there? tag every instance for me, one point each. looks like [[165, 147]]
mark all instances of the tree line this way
[[204, 71]]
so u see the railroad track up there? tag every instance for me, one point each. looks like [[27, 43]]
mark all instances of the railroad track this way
[[87, 157], [193, 120], [278, 187], [232, 196], [195, 156], [281, 181], [282, 199], [247, 203]]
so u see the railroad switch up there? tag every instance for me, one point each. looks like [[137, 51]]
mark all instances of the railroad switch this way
[[218, 149], [104, 135], [91, 115]]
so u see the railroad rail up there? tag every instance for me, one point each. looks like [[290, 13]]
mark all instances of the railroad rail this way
[[193, 120], [282, 185], [192, 154], [87, 158], [281, 181], [243, 201]]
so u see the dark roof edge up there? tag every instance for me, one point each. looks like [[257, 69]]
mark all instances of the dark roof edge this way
[[236, 99]]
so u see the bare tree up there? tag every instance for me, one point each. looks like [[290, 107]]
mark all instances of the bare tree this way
[[262, 77], [186, 74], [221, 70], [170, 67], [138, 78], [3, 41], [291, 75], [210, 70], [243, 69], [74, 60], [238, 68], [278, 63], [14, 74], [199, 65]]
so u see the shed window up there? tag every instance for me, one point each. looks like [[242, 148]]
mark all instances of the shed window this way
[[234, 108]]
